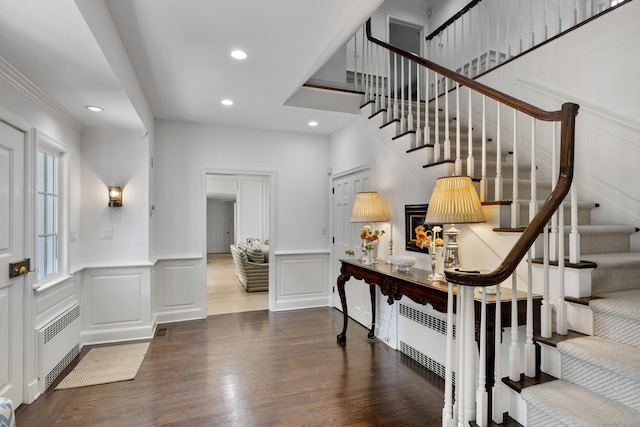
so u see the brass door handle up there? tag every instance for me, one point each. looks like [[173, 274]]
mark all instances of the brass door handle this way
[[19, 268], [349, 252]]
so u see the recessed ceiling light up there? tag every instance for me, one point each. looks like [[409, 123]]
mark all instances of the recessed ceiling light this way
[[239, 54], [227, 102], [94, 108], [313, 123]]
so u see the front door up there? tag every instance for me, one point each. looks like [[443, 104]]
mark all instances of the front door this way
[[12, 291], [346, 238]]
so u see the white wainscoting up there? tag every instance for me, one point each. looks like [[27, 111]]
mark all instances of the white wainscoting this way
[[302, 280], [116, 304], [181, 288]]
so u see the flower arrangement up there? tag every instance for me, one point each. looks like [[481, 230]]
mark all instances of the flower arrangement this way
[[370, 237], [428, 238]]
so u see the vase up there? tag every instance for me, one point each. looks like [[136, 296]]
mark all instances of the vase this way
[[436, 263], [370, 250]]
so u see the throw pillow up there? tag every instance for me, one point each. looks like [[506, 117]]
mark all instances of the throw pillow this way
[[255, 255], [265, 251]]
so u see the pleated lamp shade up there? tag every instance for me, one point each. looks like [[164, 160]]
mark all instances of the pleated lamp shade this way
[[368, 208], [454, 200]]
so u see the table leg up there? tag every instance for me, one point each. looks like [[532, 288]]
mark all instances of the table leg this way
[[372, 331], [342, 279]]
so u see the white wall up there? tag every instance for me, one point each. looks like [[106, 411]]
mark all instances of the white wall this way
[[185, 151], [122, 161]]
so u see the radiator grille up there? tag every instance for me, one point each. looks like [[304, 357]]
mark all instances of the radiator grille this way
[[426, 319], [51, 376], [59, 324], [435, 367]]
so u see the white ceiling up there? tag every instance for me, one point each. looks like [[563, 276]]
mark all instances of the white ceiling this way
[[180, 52]]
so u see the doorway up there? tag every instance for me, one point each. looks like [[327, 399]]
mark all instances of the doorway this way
[[237, 210]]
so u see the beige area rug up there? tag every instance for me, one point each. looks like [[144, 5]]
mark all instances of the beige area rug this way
[[102, 365]]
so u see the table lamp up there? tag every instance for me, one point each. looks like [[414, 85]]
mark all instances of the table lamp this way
[[454, 200], [368, 208]]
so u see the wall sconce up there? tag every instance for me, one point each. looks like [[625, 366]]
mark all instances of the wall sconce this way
[[115, 197]]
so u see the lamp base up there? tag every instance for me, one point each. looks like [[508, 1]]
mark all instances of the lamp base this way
[[452, 251]]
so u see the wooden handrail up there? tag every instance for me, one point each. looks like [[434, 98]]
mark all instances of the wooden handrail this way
[[538, 113], [451, 20], [566, 116]]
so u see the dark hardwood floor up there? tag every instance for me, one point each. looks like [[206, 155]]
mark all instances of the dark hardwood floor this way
[[254, 369]]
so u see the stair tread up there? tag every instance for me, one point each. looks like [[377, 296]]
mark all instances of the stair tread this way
[[573, 405], [557, 338], [621, 303], [606, 354], [614, 259]]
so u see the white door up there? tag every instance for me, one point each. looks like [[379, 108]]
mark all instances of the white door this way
[[347, 237], [11, 250], [218, 230]]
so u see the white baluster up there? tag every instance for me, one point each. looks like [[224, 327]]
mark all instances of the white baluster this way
[[483, 180], [418, 109], [514, 348], [529, 346], [515, 204], [533, 35], [458, 161], [482, 398], [498, 44], [378, 103], [371, 82], [546, 311], [559, 21], [470, 159], [447, 410], [574, 236], [395, 87], [384, 78], [365, 71], [436, 145], [469, 356], [410, 100], [499, 182], [553, 237], [519, 26], [402, 106], [561, 306], [447, 141], [427, 127], [389, 114], [508, 31], [533, 203], [496, 399]]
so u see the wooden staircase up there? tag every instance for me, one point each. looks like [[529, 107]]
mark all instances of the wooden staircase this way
[[597, 243]]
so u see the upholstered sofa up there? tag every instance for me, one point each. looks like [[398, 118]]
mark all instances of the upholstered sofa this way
[[252, 266]]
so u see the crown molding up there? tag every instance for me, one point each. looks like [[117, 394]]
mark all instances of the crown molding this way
[[113, 135], [12, 76]]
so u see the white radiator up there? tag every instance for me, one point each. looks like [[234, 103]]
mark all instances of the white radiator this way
[[59, 344], [422, 336]]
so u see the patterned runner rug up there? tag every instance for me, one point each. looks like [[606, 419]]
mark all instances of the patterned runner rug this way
[[102, 365]]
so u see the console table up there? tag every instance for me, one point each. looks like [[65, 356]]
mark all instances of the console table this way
[[416, 285]]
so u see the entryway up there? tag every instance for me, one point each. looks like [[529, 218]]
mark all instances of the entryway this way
[[237, 210]]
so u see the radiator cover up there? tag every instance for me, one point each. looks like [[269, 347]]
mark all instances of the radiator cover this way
[[59, 344], [422, 336]]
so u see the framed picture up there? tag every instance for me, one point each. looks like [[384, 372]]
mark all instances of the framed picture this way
[[414, 216]]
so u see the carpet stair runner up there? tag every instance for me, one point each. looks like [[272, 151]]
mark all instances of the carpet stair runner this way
[[600, 373]]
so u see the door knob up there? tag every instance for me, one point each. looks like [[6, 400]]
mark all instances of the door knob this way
[[19, 268]]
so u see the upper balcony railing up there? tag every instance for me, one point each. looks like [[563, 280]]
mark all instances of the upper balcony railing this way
[[488, 33]]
